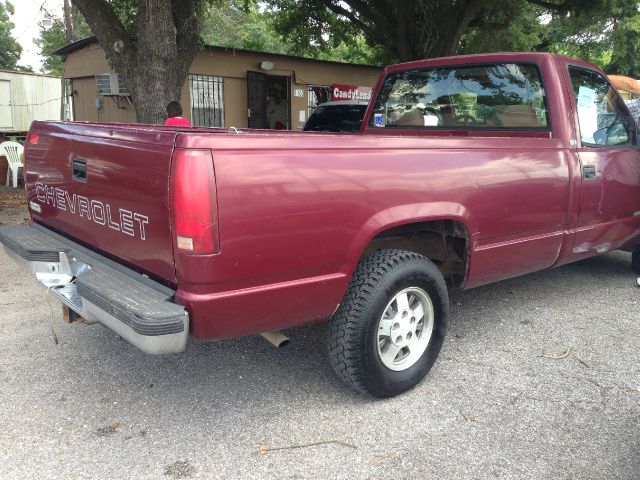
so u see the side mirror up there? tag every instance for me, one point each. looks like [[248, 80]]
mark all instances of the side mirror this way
[[600, 136], [614, 134]]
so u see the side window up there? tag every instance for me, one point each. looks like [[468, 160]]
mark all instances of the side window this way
[[493, 97], [602, 116]]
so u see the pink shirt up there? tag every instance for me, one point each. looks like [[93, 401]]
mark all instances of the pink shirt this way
[[177, 122]]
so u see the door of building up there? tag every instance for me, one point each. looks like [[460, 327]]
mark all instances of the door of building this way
[[257, 99], [278, 102], [5, 101]]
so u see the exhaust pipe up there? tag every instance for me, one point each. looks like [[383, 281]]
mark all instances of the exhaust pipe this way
[[276, 339]]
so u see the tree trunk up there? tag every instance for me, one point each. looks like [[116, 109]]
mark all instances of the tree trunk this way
[[155, 87], [453, 25], [155, 66], [428, 29]]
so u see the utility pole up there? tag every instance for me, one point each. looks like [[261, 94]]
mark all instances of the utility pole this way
[[67, 97], [68, 24]]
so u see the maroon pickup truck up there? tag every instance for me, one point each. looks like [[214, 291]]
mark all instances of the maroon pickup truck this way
[[467, 170]]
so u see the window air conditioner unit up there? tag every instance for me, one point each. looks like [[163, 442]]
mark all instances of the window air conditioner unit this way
[[111, 84]]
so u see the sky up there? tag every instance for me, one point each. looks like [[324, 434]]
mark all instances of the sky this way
[[27, 15]]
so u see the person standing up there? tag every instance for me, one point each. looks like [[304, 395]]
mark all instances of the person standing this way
[[631, 85], [174, 114]]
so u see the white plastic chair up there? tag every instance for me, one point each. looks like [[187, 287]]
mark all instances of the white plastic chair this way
[[13, 151]]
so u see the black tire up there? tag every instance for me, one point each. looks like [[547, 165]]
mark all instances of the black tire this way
[[635, 260], [353, 330]]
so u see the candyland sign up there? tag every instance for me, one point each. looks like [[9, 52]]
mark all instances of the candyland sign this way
[[350, 92]]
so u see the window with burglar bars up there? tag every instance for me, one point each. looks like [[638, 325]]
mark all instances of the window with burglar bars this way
[[207, 105], [317, 94]]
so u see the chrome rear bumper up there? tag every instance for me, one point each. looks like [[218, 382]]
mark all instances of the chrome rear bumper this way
[[135, 307]]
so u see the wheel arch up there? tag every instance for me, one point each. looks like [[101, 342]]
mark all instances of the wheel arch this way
[[440, 231]]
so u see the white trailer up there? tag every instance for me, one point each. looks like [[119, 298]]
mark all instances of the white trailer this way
[[25, 97]]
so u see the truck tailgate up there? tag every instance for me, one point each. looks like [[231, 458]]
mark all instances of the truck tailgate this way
[[107, 187]]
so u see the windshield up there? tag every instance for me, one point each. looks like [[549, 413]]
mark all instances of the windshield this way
[[336, 118]]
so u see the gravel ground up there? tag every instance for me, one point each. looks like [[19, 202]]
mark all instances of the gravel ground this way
[[538, 379], [12, 201]]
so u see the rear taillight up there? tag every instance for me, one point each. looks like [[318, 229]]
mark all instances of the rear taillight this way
[[194, 202], [33, 139]]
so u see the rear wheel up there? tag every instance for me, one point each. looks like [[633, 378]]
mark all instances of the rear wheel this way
[[390, 327]]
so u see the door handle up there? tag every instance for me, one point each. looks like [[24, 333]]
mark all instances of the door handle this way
[[589, 172], [79, 170]]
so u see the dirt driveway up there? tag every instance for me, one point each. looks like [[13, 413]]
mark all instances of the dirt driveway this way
[[12, 206]]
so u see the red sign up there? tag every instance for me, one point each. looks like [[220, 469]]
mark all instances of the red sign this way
[[350, 92]]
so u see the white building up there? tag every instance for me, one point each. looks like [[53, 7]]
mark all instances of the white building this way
[[25, 97]]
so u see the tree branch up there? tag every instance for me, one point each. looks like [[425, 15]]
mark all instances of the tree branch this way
[[562, 7], [187, 23], [467, 12], [452, 24], [480, 23], [542, 46], [373, 33], [405, 32], [109, 31], [338, 10], [379, 16]]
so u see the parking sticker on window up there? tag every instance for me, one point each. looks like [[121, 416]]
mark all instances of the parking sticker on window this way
[[377, 120]]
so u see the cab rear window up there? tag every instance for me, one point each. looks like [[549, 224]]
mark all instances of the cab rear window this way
[[496, 96]]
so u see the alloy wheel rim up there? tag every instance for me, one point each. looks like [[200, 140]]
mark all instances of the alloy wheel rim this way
[[405, 329]]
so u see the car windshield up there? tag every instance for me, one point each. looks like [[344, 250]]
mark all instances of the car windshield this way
[[336, 118]]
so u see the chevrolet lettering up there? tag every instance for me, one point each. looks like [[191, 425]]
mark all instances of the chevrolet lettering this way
[[122, 220]]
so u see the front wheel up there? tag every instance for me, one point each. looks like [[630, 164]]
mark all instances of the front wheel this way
[[389, 329]]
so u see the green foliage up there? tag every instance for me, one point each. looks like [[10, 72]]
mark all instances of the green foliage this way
[[242, 24], [316, 32], [625, 54], [127, 13], [504, 26], [10, 49], [351, 50], [590, 42], [605, 32], [239, 24], [608, 36], [53, 37]]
